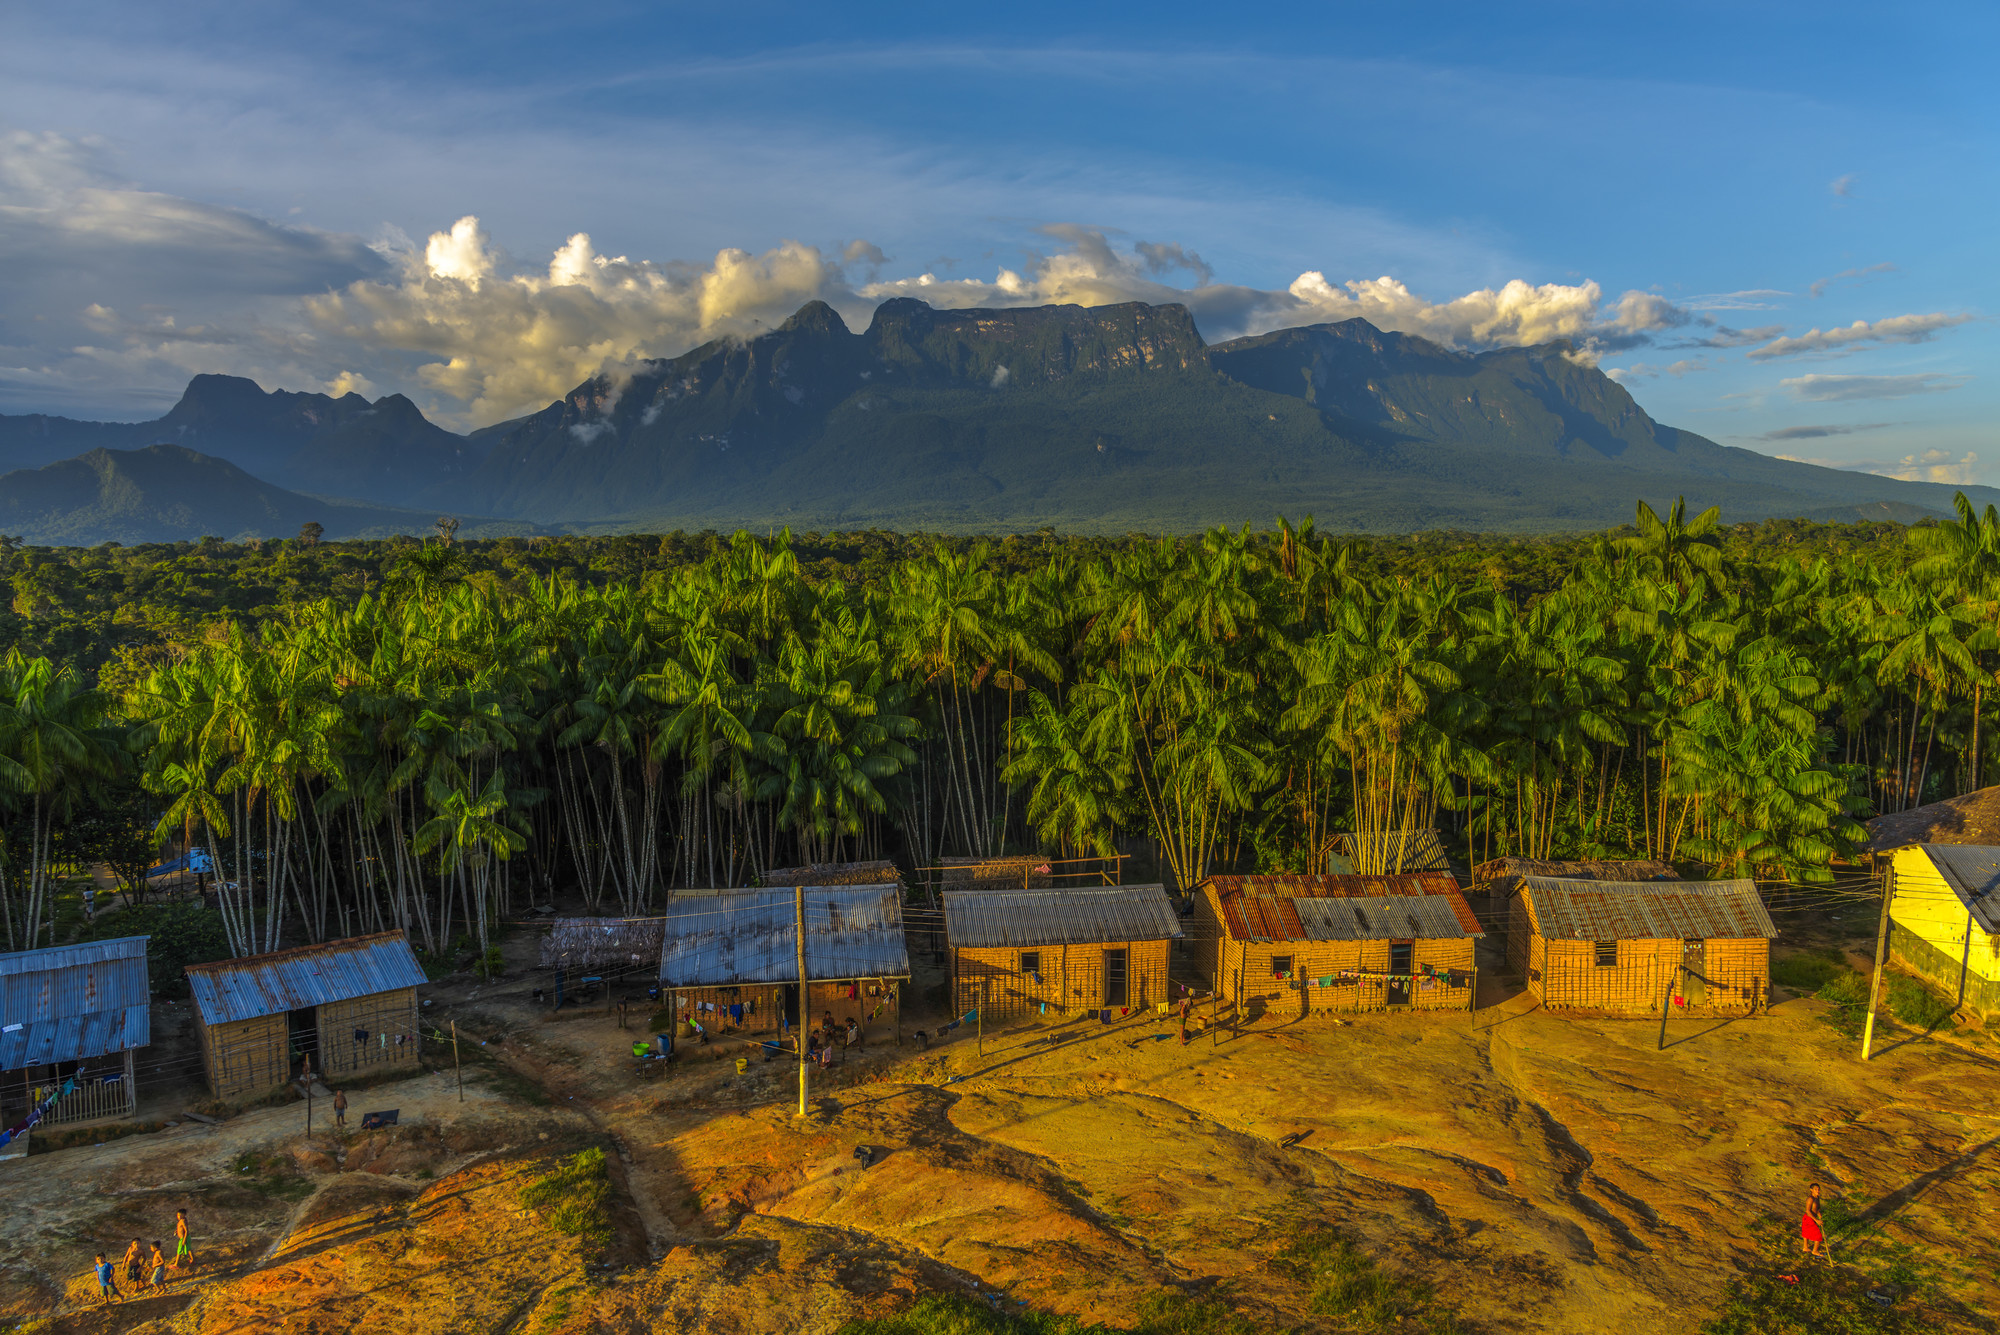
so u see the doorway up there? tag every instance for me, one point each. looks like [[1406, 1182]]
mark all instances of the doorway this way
[[303, 1034], [1694, 982], [792, 1005], [1117, 989], [1402, 963]]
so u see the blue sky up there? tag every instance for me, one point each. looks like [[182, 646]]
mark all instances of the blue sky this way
[[254, 188]]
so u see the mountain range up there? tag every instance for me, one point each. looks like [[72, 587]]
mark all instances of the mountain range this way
[[1100, 419]]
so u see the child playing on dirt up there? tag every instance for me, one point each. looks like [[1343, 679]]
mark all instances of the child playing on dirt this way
[[135, 1265], [181, 1247], [340, 1107], [107, 1278], [158, 1263], [1812, 1236]]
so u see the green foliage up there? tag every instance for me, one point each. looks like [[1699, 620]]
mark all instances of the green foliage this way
[[182, 934], [272, 1176], [965, 1316], [1847, 993], [1917, 1004], [574, 1198], [1808, 970], [491, 964], [1346, 1283]]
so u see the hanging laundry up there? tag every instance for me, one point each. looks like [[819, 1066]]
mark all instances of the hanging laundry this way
[[736, 1013]]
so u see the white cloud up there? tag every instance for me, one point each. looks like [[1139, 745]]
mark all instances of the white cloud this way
[[1933, 466], [1750, 299], [501, 340], [1842, 186], [1849, 338], [1820, 285], [1842, 388], [1816, 432], [1648, 371]]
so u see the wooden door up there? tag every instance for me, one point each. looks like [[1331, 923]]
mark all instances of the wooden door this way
[[1117, 987], [1694, 982]]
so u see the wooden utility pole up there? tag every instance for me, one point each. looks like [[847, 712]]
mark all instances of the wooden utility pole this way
[[805, 992], [456, 1067], [1881, 949], [1666, 1004], [309, 1108], [979, 1017]]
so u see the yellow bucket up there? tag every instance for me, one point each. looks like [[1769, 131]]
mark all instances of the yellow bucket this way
[[742, 1065]]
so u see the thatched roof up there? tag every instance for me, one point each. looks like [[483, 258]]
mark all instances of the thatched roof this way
[[603, 943], [997, 873], [882, 872], [1502, 876], [1971, 818]]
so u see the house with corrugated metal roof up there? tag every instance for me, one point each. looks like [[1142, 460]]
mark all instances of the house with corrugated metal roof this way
[[77, 1011], [1320, 944], [1635, 945], [730, 957], [1944, 918], [337, 1009], [1016, 952]]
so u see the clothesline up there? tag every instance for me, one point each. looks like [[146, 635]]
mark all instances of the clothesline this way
[[25, 1124]]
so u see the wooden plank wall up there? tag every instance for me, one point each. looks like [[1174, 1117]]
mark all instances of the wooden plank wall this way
[[1072, 978], [247, 1056], [1264, 990], [1565, 974], [392, 1014]]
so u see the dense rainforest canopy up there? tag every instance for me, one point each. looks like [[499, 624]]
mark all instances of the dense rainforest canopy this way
[[426, 735]]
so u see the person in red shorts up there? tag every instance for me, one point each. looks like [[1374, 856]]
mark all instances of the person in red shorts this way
[[1811, 1233]]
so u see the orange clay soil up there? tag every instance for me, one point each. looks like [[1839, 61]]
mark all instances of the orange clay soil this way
[[1549, 1173]]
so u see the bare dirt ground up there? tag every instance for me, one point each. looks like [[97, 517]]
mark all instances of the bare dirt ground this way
[[1550, 1173]]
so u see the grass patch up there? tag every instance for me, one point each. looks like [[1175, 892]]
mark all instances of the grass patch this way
[[1847, 995], [574, 1198], [47, 1140], [269, 1176], [1347, 1283], [1915, 1004], [1822, 1299], [1808, 970]]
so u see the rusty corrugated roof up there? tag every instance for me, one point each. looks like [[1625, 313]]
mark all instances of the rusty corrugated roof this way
[[289, 980], [722, 938], [1271, 908], [66, 1003], [1083, 915], [1647, 910]]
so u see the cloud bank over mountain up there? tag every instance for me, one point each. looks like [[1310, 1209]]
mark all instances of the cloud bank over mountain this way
[[502, 339]]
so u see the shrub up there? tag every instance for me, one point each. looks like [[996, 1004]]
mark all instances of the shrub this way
[[963, 1316], [1808, 970], [575, 1198]]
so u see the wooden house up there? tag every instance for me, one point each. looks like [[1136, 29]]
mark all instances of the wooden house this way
[[344, 1006], [1330, 943], [73, 1011], [1053, 952], [1620, 945], [730, 957], [1944, 919], [585, 952], [1495, 881]]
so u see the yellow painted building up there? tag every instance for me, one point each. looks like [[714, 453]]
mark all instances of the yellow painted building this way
[[1944, 918]]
